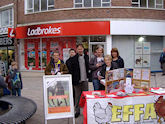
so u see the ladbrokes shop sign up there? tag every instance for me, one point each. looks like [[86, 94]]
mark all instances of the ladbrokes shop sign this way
[[63, 29], [131, 110]]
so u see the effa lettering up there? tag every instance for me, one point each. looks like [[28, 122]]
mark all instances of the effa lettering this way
[[147, 111]]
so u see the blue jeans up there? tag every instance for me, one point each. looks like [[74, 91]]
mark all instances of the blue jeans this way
[[96, 84], [16, 91]]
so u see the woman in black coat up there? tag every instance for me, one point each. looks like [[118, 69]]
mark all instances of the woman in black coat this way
[[117, 61]]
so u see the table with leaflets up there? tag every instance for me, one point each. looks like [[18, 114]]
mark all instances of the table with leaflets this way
[[141, 107]]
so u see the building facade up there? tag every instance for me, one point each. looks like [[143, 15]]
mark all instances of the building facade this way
[[135, 27], [7, 48]]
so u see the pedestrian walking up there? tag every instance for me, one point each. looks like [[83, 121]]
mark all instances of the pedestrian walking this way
[[15, 79], [162, 61], [79, 71], [56, 66], [95, 65], [117, 61]]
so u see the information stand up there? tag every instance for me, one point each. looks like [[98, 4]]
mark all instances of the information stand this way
[[116, 78]]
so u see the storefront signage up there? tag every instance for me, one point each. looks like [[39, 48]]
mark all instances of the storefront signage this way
[[43, 31], [3, 30], [11, 32], [5, 41], [64, 29], [140, 109]]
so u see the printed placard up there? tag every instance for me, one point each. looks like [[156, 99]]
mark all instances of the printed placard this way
[[58, 98]]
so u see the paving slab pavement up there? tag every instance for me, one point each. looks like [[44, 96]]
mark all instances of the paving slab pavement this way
[[33, 89]]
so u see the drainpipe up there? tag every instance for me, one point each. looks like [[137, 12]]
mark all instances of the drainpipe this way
[[15, 25]]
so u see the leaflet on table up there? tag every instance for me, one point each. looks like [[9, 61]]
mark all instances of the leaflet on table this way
[[158, 91]]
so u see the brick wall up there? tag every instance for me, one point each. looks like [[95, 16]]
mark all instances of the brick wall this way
[[6, 2], [86, 13], [121, 2], [91, 13]]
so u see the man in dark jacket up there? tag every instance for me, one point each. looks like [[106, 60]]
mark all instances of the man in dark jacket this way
[[72, 53], [79, 71], [162, 61]]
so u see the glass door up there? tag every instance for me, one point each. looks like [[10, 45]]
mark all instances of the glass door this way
[[94, 41]]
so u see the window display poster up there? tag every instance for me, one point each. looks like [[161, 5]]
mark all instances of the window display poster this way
[[138, 60], [66, 54], [54, 46], [58, 99], [137, 74], [44, 55], [31, 54], [146, 74], [146, 60], [138, 48], [146, 47]]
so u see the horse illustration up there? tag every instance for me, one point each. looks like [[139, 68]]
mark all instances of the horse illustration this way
[[138, 61], [56, 89]]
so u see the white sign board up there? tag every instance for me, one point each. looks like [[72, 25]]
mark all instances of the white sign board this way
[[130, 110], [58, 97]]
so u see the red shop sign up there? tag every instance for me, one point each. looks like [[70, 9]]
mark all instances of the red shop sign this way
[[64, 29], [11, 32]]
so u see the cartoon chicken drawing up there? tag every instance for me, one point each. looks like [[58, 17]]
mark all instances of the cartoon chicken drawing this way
[[102, 116], [160, 108]]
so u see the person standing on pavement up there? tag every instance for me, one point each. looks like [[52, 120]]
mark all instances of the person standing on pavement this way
[[15, 79], [79, 71], [72, 53], [117, 61], [95, 65], [162, 61], [3, 85], [56, 66]]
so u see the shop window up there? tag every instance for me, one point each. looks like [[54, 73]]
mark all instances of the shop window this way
[[38, 52], [6, 18], [92, 3], [148, 3], [38, 5], [6, 57]]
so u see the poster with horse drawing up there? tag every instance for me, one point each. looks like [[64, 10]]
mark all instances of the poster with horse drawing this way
[[58, 98]]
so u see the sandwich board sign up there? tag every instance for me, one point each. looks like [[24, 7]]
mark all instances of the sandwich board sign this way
[[58, 97]]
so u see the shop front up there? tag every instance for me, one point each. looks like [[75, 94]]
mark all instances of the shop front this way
[[38, 42], [6, 53], [140, 42]]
